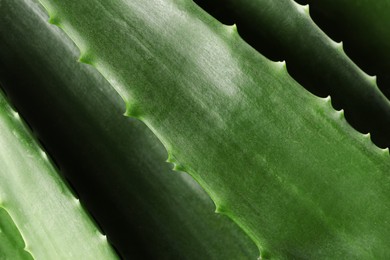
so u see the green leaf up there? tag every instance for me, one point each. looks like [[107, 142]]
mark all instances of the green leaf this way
[[45, 212], [115, 163], [363, 26], [11, 242], [279, 161], [315, 60]]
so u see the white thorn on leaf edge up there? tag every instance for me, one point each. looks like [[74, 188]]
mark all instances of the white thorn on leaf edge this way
[[306, 9], [77, 201], [44, 154], [338, 45], [16, 115], [372, 78], [368, 135], [281, 64], [302, 8], [326, 99], [340, 112], [231, 28]]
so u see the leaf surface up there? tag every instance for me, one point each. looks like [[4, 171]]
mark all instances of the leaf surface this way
[[286, 30], [115, 163], [38, 201], [364, 27], [280, 162], [11, 242]]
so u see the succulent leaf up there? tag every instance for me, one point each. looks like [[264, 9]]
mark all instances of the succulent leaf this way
[[277, 160], [38, 202]]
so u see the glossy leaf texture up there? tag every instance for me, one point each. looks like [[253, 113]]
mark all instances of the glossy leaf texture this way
[[284, 30], [47, 223], [116, 164], [363, 26], [277, 160]]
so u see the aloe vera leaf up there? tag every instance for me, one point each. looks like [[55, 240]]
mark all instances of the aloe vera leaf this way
[[364, 27], [315, 60], [277, 160], [115, 163], [11, 242], [47, 215]]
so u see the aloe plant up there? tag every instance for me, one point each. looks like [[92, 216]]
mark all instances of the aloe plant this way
[[11, 242], [285, 31], [280, 162], [363, 26], [145, 209], [32, 222]]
